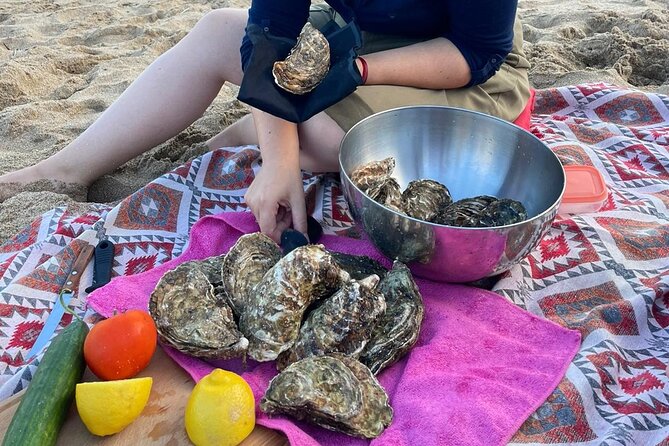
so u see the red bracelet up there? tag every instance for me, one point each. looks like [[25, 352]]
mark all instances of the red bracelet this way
[[364, 70]]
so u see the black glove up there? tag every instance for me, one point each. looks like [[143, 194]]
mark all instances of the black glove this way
[[259, 90]]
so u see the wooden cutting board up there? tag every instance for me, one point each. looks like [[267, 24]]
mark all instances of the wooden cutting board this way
[[161, 422]]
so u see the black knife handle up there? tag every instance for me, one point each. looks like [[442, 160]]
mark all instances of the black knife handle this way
[[314, 229], [291, 239], [102, 268]]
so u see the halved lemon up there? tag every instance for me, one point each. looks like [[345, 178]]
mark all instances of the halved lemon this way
[[108, 407]]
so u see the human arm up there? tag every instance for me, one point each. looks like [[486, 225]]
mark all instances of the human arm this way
[[483, 32], [260, 50], [435, 64], [476, 36], [276, 195]]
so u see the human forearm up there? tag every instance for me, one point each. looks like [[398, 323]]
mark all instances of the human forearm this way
[[277, 139], [275, 196], [436, 64]]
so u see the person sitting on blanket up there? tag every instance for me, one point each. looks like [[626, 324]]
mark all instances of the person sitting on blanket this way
[[451, 52]]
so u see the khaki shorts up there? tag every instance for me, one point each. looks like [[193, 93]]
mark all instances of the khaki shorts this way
[[504, 95]]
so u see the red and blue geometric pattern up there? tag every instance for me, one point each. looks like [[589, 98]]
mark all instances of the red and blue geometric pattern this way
[[605, 274]]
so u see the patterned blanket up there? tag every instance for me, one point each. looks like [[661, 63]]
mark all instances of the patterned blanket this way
[[605, 274]]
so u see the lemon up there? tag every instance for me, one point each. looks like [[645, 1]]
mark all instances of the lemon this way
[[107, 407], [220, 410]]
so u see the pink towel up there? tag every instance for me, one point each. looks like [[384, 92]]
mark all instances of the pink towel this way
[[481, 365]]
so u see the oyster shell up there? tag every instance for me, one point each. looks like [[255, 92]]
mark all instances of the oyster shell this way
[[245, 264], [359, 267], [465, 212], [372, 173], [398, 328], [190, 318], [482, 211], [398, 237], [211, 267], [423, 199], [342, 323], [306, 65], [503, 212], [332, 391], [302, 277], [386, 192]]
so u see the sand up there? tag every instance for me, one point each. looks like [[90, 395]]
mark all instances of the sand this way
[[63, 62], [625, 42]]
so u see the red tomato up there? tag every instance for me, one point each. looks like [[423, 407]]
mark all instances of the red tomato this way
[[122, 346]]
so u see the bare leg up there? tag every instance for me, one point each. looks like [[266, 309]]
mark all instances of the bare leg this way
[[239, 133], [168, 96], [319, 141]]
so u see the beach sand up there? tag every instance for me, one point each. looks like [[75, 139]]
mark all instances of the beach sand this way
[[63, 62]]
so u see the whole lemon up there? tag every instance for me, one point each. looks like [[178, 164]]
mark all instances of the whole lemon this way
[[220, 410]]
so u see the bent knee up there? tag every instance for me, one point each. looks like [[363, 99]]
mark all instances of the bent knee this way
[[320, 134], [216, 39], [220, 20]]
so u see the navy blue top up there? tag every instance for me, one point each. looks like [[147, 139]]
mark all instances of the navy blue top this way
[[481, 29]]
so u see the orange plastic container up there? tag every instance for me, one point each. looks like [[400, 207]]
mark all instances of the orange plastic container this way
[[585, 190]]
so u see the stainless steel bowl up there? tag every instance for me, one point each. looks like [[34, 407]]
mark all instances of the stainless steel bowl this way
[[472, 154]]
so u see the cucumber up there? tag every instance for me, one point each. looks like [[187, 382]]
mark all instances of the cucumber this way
[[46, 402]]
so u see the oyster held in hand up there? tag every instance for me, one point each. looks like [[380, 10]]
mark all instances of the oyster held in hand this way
[[307, 64], [398, 328], [302, 277], [342, 323], [334, 391], [244, 266], [191, 319]]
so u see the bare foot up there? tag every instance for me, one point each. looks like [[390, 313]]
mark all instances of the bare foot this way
[[30, 179]]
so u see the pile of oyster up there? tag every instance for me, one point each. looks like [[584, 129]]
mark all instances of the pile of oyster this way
[[331, 321], [431, 201]]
